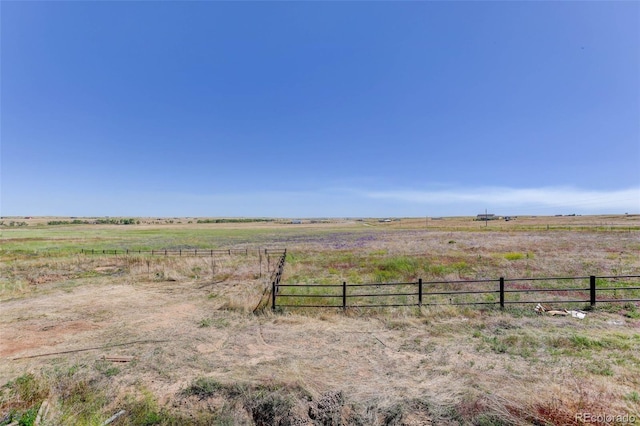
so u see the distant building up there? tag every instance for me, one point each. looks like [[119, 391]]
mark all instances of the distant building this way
[[486, 216]]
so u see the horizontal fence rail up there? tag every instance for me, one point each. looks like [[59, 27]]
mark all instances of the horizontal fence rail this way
[[501, 292]]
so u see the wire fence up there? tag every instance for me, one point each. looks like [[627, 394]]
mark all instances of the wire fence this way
[[181, 252], [275, 278], [497, 292]]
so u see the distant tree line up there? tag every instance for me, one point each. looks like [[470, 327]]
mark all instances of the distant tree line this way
[[233, 220], [13, 223], [68, 222], [97, 221]]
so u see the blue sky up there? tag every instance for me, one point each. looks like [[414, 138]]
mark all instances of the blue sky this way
[[314, 109]]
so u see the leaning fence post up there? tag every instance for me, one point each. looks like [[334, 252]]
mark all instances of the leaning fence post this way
[[344, 295], [592, 290], [501, 292], [420, 292], [273, 295]]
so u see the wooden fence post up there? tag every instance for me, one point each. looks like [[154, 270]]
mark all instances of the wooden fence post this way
[[420, 292], [592, 290], [344, 295], [502, 292]]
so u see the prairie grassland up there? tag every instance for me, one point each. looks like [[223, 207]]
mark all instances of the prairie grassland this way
[[198, 355]]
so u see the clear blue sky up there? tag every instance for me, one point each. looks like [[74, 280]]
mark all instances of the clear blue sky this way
[[312, 109]]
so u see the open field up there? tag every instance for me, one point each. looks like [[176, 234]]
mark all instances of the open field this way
[[187, 348]]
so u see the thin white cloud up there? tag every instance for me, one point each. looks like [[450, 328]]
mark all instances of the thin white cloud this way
[[566, 197], [335, 202]]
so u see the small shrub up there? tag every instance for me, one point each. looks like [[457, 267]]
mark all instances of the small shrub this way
[[514, 256], [496, 345], [383, 276], [106, 368], [144, 411], [633, 397], [205, 322], [601, 368], [268, 407], [584, 342], [28, 389], [28, 418], [203, 387]]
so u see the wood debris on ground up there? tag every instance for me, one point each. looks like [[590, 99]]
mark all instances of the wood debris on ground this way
[[118, 358]]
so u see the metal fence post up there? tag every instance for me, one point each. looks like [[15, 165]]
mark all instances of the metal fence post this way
[[344, 295], [273, 295], [420, 292], [592, 290], [502, 292]]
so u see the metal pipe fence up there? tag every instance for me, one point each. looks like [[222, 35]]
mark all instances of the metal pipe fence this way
[[498, 292]]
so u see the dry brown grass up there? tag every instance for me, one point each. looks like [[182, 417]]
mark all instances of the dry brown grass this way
[[188, 319]]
